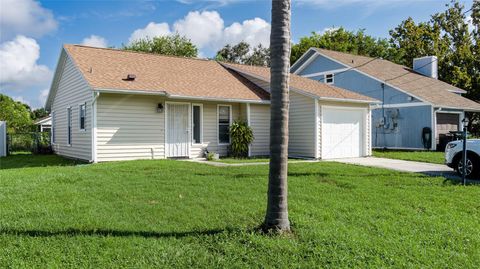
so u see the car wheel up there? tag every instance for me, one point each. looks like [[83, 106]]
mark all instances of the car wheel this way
[[471, 168]]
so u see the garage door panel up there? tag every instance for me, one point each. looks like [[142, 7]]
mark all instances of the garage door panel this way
[[342, 133]]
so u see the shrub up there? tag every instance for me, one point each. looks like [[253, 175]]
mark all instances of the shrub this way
[[241, 136]]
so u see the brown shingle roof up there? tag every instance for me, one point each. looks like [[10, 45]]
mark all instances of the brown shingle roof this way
[[157, 73], [428, 89], [303, 84]]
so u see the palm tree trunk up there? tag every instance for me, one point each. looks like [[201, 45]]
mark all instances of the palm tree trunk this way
[[277, 207]]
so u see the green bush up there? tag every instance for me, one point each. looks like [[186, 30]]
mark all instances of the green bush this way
[[241, 136]]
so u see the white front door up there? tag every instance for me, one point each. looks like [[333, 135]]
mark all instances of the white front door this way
[[342, 132], [178, 130]]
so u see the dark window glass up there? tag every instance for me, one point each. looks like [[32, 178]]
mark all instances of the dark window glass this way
[[83, 113], [69, 125], [223, 124], [196, 124], [329, 78]]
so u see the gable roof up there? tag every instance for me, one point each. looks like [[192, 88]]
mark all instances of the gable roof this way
[[430, 90], [177, 76], [305, 85]]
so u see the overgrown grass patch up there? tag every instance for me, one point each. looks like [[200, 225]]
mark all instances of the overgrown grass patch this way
[[182, 214]]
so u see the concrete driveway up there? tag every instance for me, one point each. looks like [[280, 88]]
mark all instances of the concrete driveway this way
[[404, 166]]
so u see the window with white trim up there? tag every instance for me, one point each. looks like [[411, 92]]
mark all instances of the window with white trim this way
[[329, 78], [197, 124], [224, 124], [82, 112], [69, 125]]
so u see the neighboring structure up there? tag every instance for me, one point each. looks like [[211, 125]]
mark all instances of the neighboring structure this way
[[3, 138], [109, 105], [44, 124], [418, 111]]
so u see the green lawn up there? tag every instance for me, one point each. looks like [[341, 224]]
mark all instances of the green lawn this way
[[419, 156], [165, 213]]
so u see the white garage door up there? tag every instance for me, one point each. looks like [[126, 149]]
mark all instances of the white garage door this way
[[342, 133]]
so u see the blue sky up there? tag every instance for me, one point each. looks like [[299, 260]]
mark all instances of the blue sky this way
[[32, 32]]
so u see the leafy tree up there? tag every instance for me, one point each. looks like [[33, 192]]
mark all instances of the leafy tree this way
[[276, 217], [344, 41], [448, 37], [242, 53], [39, 113], [16, 114], [175, 45]]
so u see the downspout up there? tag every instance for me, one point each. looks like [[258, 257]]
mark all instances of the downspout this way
[[383, 115], [96, 94]]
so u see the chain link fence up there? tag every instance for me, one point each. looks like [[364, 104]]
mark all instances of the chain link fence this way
[[34, 142]]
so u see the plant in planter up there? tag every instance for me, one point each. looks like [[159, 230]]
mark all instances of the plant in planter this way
[[241, 136]]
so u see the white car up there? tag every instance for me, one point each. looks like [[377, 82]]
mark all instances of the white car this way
[[453, 157]]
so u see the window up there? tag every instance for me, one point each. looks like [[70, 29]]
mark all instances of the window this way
[[69, 125], [83, 114], [197, 124], [53, 127], [223, 124], [329, 78]]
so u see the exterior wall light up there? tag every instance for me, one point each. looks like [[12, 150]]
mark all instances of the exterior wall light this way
[[160, 108]]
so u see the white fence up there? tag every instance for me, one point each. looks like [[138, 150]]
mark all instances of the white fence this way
[[3, 138]]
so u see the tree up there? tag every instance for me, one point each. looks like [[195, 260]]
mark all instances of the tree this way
[[276, 217], [16, 114], [39, 113], [448, 37], [243, 54], [344, 41], [175, 45]]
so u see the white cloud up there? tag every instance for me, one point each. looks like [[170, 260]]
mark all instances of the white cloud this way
[[151, 30], [203, 28], [328, 30], [21, 99], [18, 62], [95, 41], [329, 4], [42, 98], [207, 31], [256, 31], [25, 17]]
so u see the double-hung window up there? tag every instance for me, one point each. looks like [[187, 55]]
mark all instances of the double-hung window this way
[[69, 125], [224, 120], [329, 78], [82, 116], [197, 124]]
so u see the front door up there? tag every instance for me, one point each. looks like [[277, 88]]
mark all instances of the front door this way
[[177, 130]]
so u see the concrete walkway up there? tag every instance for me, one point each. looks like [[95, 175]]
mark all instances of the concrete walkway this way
[[404, 166]]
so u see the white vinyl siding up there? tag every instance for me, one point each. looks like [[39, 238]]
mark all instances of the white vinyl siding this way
[[260, 123], [72, 90], [301, 126], [210, 130], [129, 127]]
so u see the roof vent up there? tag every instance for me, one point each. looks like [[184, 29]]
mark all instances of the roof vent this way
[[130, 77]]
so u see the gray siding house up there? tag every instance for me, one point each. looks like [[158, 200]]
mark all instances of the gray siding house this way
[[112, 105], [417, 110]]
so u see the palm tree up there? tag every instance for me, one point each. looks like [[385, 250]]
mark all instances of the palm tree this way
[[277, 207]]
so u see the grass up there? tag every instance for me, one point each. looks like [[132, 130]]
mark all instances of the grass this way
[[164, 213], [419, 156], [26, 159]]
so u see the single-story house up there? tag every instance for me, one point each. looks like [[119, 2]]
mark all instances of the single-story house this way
[[417, 110], [109, 104], [44, 124]]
